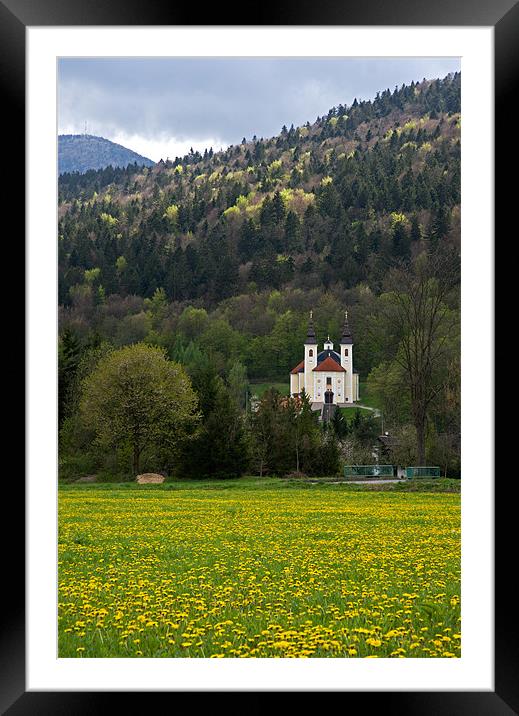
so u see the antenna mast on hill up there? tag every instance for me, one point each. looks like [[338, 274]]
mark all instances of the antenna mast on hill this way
[[85, 128]]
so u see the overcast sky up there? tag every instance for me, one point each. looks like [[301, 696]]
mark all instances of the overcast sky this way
[[160, 107]]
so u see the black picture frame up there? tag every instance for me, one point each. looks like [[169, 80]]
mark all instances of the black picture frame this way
[[503, 15]]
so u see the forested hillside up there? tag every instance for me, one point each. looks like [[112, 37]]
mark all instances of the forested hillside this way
[[218, 257]]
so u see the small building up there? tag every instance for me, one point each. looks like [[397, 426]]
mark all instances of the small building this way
[[327, 376]]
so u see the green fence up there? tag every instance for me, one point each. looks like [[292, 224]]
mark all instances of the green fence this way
[[412, 472], [369, 471]]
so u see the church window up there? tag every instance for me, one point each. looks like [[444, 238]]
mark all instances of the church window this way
[[310, 352], [346, 352], [328, 381]]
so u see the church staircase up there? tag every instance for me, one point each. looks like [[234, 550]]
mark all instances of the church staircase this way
[[327, 412]]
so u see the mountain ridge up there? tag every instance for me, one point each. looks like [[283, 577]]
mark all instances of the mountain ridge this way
[[84, 152]]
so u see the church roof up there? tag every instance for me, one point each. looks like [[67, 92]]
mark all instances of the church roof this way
[[300, 367], [330, 365], [328, 353], [330, 359]]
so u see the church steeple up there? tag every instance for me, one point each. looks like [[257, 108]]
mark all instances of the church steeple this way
[[310, 358], [310, 334], [346, 337]]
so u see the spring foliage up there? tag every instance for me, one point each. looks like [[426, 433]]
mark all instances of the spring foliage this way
[[136, 395]]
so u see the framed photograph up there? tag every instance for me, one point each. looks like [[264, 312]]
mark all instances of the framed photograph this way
[[56, 59]]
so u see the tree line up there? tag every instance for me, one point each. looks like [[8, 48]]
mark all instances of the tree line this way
[[411, 332], [138, 410]]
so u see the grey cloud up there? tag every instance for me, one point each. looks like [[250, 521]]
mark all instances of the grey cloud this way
[[224, 98]]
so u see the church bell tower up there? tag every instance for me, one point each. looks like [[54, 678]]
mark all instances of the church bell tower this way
[[346, 348], [310, 357]]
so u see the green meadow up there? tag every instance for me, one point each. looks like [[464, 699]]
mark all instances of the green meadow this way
[[258, 568]]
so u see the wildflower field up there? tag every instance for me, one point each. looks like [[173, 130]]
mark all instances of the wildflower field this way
[[261, 571]]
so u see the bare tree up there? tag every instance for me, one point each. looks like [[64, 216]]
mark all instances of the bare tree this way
[[420, 319]]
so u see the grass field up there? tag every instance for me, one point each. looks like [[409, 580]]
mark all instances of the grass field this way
[[259, 388], [257, 570], [366, 398], [349, 413]]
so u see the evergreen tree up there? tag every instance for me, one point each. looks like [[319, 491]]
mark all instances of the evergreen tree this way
[[225, 446], [69, 355], [238, 384], [339, 424], [270, 435], [292, 231], [329, 456], [220, 450], [416, 233], [305, 433], [439, 227], [401, 241]]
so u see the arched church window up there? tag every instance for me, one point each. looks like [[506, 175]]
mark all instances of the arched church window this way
[[310, 352], [345, 351]]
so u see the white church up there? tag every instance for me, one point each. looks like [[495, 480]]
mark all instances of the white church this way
[[327, 376]]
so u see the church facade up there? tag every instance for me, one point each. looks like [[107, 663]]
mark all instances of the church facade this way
[[326, 376]]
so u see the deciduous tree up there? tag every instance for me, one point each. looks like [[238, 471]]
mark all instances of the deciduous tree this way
[[136, 396]]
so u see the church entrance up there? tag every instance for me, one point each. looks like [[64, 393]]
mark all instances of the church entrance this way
[[328, 396]]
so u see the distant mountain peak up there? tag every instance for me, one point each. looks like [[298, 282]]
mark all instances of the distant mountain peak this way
[[81, 152]]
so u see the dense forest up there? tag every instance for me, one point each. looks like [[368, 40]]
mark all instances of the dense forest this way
[[217, 258]]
